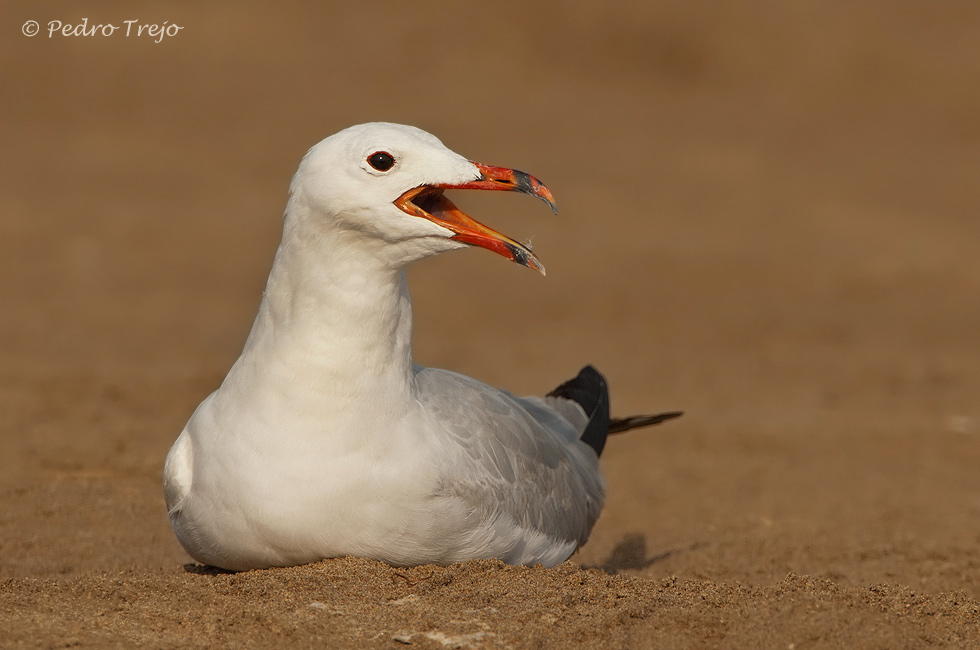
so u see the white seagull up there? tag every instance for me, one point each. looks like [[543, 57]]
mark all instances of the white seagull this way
[[325, 440]]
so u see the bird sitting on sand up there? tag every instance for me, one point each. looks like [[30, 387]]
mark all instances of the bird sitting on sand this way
[[325, 440]]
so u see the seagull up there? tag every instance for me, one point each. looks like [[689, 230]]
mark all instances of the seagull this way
[[325, 440]]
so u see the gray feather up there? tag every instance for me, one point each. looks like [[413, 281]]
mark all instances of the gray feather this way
[[513, 457]]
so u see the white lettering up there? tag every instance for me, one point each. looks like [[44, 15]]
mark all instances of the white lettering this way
[[133, 28]]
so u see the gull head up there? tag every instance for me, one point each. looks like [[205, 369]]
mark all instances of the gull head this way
[[382, 187]]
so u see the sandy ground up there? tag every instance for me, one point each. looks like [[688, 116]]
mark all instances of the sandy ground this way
[[769, 219]]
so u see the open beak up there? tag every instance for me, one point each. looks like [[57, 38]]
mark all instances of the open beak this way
[[429, 202]]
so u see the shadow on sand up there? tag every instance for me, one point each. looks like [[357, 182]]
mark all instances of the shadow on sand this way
[[205, 570], [631, 554]]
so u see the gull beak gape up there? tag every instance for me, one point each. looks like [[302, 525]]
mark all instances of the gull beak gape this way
[[429, 202]]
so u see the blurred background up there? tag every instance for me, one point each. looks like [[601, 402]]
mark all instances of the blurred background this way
[[768, 218]]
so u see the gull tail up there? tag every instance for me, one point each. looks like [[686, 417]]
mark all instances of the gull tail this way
[[589, 390], [620, 425]]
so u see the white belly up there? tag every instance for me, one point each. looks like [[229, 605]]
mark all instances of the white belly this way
[[238, 502]]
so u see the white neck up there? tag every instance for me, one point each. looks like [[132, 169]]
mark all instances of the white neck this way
[[333, 331]]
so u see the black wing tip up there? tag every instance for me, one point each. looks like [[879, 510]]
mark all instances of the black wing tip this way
[[619, 425], [588, 389]]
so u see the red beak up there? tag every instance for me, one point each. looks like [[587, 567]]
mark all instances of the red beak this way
[[428, 202]]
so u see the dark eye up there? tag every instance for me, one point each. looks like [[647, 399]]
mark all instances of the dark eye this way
[[381, 160]]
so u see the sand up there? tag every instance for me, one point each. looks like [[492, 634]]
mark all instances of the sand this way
[[768, 219]]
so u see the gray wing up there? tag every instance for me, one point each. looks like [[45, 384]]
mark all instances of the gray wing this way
[[515, 457]]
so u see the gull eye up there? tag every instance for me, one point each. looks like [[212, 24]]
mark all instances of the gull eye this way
[[381, 160]]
